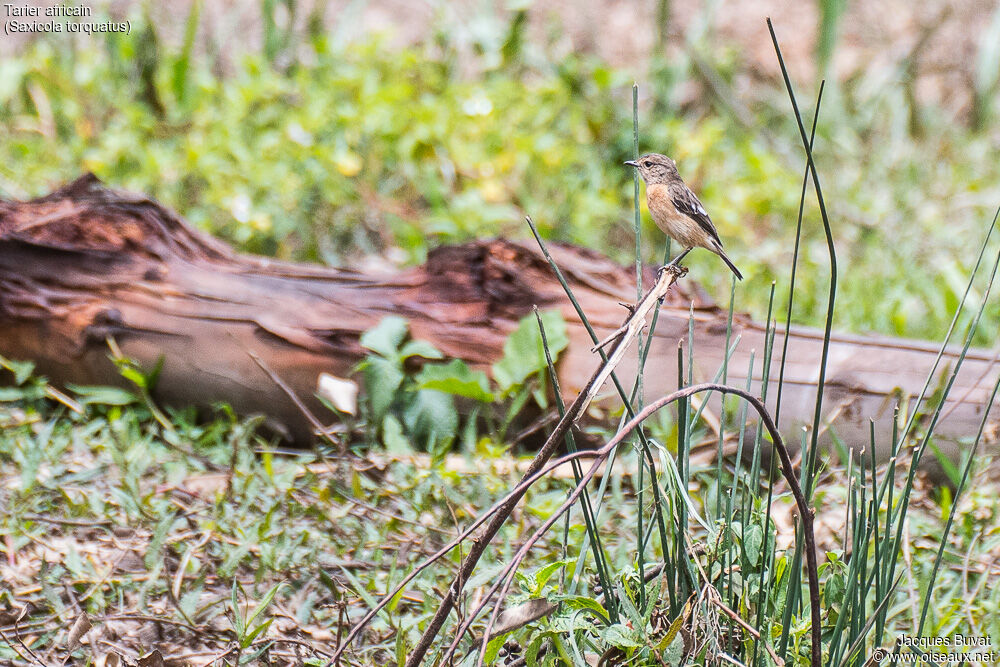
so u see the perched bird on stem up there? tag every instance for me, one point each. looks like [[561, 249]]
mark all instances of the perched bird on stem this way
[[676, 210]]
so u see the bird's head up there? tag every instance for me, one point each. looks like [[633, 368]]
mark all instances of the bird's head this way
[[654, 168]]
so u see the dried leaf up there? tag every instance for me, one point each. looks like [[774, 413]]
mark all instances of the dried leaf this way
[[151, 659], [81, 626]]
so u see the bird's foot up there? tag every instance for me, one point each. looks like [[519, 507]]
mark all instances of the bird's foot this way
[[675, 265], [678, 270]]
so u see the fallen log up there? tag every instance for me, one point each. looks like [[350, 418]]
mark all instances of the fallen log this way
[[86, 263]]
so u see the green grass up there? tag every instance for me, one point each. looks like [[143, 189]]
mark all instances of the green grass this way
[[128, 524], [108, 513]]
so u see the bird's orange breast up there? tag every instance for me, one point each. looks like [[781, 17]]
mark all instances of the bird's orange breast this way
[[661, 204], [675, 224]]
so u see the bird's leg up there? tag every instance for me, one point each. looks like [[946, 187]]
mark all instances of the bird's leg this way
[[674, 262]]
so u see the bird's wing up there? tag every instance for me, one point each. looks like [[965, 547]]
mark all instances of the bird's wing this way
[[687, 202]]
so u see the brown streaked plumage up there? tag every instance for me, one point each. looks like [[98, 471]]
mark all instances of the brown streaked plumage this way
[[676, 210]]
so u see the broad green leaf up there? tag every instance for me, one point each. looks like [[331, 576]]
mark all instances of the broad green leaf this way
[[382, 379], [833, 588], [542, 576], [523, 353], [431, 416], [493, 648], [456, 378], [622, 636], [419, 348], [393, 437], [386, 337], [753, 537], [674, 650], [583, 603]]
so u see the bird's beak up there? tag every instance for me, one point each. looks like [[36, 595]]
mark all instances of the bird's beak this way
[[632, 163]]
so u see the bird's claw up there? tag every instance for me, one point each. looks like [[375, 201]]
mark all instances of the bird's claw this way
[[678, 270]]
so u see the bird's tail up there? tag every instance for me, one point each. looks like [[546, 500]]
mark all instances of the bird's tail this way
[[717, 249]]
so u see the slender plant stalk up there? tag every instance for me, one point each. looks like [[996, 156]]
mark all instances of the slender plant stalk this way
[[810, 463], [637, 224]]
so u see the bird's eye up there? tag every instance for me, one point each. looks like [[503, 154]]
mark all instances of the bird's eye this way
[[647, 164]]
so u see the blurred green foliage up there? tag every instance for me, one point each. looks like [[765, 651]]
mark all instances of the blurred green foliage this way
[[319, 149]]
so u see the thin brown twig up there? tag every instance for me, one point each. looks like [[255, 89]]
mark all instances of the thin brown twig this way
[[18, 651], [321, 430], [717, 601]]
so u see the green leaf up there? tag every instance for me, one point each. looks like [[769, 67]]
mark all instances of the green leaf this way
[[402, 649], [493, 648], [264, 603], [238, 625], [431, 416], [675, 627], [833, 588], [753, 537], [419, 348], [96, 395], [133, 376], [155, 546], [386, 337], [250, 657], [543, 575], [9, 394], [456, 378], [583, 603], [22, 370], [674, 650], [393, 438], [179, 79], [622, 636], [523, 353], [382, 379], [253, 634]]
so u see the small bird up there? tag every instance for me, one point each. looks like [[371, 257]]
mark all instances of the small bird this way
[[676, 210]]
